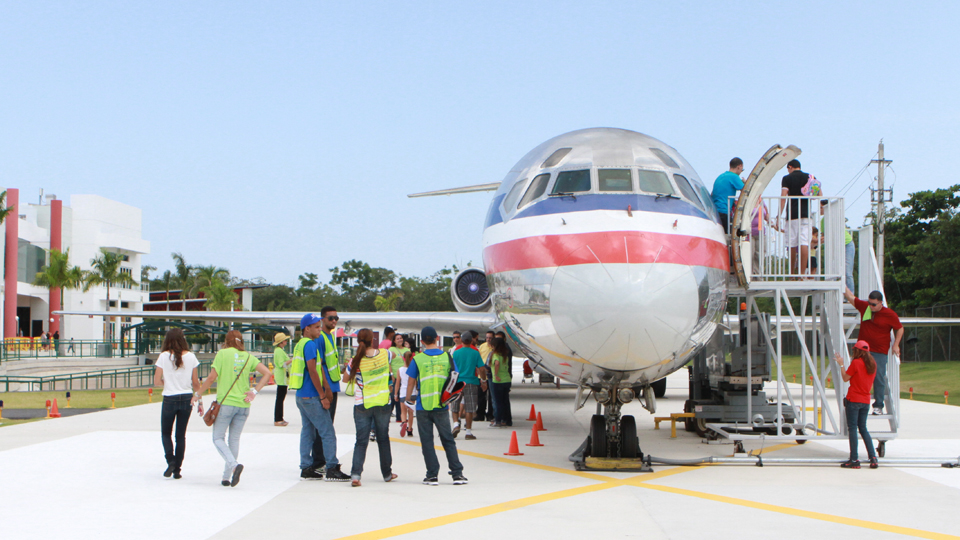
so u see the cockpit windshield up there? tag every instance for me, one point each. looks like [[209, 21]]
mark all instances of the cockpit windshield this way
[[655, 182], [615, 180], [572, 182]]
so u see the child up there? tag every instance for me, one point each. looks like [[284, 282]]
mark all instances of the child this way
[[406, 413]]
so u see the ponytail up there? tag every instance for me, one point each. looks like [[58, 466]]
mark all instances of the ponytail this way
[[364, 342]]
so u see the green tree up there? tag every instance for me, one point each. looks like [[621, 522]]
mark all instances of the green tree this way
[[359, 284], [205, 276], [58, 274], [4, 209], [388, 303], [166, 280], [923, 250], [308, 282], [107, 271], [428, 294], [219, 296], [145, 272], [184, 274]]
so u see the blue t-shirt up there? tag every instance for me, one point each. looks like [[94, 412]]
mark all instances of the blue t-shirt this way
[[308, 389], [322, 352], [414, 373], [467, 360], [724, 187]]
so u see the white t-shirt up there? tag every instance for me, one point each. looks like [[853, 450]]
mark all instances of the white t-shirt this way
[[404, 380], [177, 381]]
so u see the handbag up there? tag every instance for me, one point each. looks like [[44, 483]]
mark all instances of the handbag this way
[[211, 416]]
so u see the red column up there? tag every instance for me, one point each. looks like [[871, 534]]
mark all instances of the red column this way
[[10, 264], [56, 228]]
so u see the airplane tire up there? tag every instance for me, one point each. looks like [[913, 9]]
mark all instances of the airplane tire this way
[[629, 444], [659, 388], [598, 436]]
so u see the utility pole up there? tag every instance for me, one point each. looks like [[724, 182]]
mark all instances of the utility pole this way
[[880, 197]]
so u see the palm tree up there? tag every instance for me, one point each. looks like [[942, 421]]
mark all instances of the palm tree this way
[[184, 276], [205, 276], [389, 303], [145, 271], [106, 271], [219, 296], [167, 279], [59, 274], [4, 209]]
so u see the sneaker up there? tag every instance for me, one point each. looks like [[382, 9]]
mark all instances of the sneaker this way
[[373, 437], [431, 481], [456, 430], [851, 464], [236, 475], [459, 480], [310, 474], [877, 410], [176, 474], [167, 473], [336, 475], [225, 483], [409, 432], [403, 429], [470, 436], [873, 463]]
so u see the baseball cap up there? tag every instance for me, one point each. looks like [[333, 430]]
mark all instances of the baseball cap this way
[[466, 337], [310, 318], [428, 333], [862, 345]]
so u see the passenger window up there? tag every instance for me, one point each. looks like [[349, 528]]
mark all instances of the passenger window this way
[[572, 182], [655, 182], [515, 192], [536, 189], [708, 202], [615, 180], [687, 190]]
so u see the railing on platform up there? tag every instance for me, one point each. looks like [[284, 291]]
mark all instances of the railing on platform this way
[[34, 348], [132, 377]]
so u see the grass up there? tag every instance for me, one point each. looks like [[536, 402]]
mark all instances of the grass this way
[[79, 399], [928, 379]]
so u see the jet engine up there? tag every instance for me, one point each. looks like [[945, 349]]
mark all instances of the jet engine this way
[[470, 292]]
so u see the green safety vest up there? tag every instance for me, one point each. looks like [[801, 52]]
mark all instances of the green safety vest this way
[[397, 361], [433, 372], [376, 376], [331, 359], [297, 365]]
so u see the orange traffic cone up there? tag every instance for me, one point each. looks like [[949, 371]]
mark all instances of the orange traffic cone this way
[[55, 412], [271, 381], [539, 425], [533, 414], [534, 438], [514, 446]]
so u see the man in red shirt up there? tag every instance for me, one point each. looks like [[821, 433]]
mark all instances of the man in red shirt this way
[[876, 323]]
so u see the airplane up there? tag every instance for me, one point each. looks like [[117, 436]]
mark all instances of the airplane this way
[[604, 261]]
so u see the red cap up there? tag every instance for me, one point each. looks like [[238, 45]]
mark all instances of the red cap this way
[[862, 345]]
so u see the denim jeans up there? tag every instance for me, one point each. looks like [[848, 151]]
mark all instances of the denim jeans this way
[[319, 461], [880, 381], [377, 419], [857, 420], [851, 255], [440, 418], [175, 409], [316, 420], [501, 403], [233, 418]]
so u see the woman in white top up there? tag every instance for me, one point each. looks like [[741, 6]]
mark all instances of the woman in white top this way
[[177, 372]]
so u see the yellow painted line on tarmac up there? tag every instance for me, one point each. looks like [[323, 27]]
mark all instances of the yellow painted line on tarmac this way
[[864, 524]]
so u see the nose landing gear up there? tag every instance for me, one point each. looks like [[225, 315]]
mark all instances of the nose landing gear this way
[[612, 444]]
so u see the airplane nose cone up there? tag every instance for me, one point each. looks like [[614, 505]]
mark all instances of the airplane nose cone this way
[[624, 316]]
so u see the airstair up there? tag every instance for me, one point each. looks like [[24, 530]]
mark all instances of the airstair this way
[[792, 294]]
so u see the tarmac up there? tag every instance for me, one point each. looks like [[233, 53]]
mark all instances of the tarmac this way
[[100, 476]]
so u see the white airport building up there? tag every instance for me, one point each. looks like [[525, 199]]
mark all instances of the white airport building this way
[[84, 227]]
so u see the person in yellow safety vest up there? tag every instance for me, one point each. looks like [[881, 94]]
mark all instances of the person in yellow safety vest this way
[[430, 369], [316, 397], [370, 370]]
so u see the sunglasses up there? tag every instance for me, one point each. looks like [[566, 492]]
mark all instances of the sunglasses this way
[[333, 318], [874, 305]]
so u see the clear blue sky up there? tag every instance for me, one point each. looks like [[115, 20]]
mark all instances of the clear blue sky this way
[[277, 138]]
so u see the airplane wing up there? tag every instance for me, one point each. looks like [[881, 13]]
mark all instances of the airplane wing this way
[[405, 321]]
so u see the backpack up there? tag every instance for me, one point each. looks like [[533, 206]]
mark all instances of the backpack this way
[[812, 187]]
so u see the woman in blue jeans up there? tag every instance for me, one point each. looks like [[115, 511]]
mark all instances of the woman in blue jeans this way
[[232, 367], [176, 371], [370, 371], [501, 376], [860, 374]]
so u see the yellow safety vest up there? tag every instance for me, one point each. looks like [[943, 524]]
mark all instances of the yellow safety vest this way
[[433, 372], [331, 358], [376, 375], [297, 365]]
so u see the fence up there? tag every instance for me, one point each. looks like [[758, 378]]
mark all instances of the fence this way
[[932, 344], [33, 348], [132, 377]]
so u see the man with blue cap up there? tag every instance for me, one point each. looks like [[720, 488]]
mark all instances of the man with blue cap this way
[[430, 369], [313, 378]]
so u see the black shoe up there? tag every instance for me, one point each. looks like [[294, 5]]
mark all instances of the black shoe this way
[[225, 483], [873, 463], [176, 474], [167, 473], [236, 475], [431, 481], [459, 480], [851, 464], [336, 475], [310, 474]]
